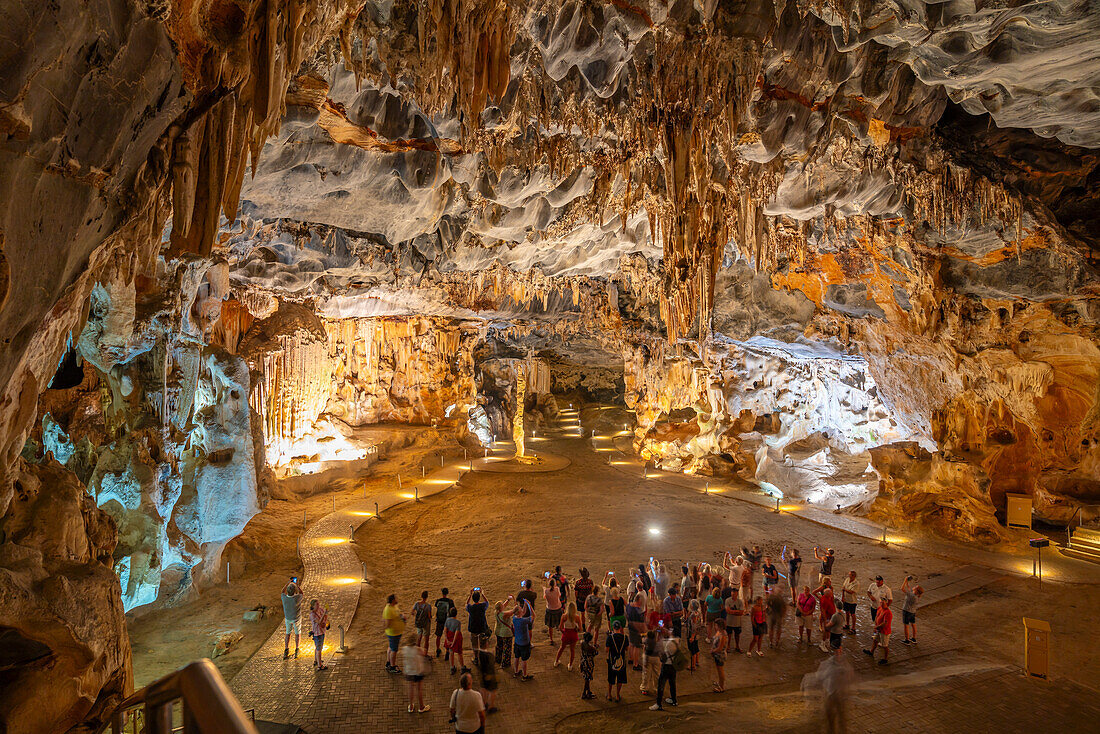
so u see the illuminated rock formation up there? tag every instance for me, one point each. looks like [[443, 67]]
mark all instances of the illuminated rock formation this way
[[844, 251]]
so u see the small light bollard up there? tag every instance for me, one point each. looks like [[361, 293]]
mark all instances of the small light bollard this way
[[423, 471], [776, 510], [883, 542], [377, 512], [343, 648], [416, 493], [227, 573], [303, 519], [364, 573], [706, 488], [351, 533], [334, 502], [645, 470], [440, 459], [398, 482]]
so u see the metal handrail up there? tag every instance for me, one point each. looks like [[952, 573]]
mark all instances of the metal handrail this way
[[1069, 525], [209, 707]]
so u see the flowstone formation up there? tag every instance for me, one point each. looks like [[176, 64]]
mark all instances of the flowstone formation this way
[[846, 252]]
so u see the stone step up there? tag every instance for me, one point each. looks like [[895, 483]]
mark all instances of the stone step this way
[[1088, 534], [1084, 544], [1084, 555]]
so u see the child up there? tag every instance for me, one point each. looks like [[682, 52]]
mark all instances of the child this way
[[452, 641], [588, 664], [759, 626], [718, 654]]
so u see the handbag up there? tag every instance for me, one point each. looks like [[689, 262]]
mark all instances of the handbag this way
[[619, 657]]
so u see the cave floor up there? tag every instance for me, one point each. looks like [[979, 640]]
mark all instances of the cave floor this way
[[496, 529]]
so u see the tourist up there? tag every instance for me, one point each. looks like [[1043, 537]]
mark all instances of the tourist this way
[[834, 678], [752, 557], [734, 568], [718, 654], [616, 661], [735, 611], [759, 626], [582, 588], [615, 609], [523, 619], [588, 664], [393, 623], [415, 664], [804, 610], [292, 615], [422, 620], [714, 611], [633, 586], [503, 633], [551, 593], [318, 625], [660, 578], [794, 571], [685, 582], [771, 575], [651, 665], [827, 559], [696, 582], [836, 628], [826, 605], [527, 594], [669, 648], [878, 592], [487, 669], [693, 623], [674, 609], [593, 607], [848, 591], [775, 608], [643, 578], [883, 619], [912, 594], [443, 606], [745, 584], [562, 582], [452, 642], [635, 628], [570, 628], [477, 623], [467, 707]]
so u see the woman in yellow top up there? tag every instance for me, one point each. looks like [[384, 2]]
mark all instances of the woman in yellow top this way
[[394, 623]]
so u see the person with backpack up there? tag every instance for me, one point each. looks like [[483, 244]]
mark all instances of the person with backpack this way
[[422, 620], [616, 661], [443, 606], [673, 659], [718, 647]]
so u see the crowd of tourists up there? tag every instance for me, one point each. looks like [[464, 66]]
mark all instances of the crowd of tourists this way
[[652, 623]]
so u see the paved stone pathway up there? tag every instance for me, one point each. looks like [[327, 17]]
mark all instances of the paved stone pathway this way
[[332, 573]]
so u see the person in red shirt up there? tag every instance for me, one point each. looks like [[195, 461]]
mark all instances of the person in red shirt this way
[[882, 632], [827, 606]]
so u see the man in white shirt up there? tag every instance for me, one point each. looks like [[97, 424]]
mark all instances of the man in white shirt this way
[[467, 707], [878, 592], [848, 591]]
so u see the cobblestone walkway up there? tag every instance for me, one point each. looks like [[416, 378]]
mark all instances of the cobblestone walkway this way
[[333, 574]]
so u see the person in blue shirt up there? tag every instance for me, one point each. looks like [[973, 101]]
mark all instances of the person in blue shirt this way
[[522, 618], [674, 608]]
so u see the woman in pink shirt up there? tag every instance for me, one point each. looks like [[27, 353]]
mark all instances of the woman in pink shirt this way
[[552, 594], [804, 610]]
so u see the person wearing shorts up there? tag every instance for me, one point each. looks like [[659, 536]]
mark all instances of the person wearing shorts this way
[[594, 611], [714, 610], [522, 618], [912, 594], [422, 620], [836, 630], [393, 622], [827, 559], [759, 626], [794, 571], [735, 611], [318, 624], [292, 615], [848, 592], [443, 606], [552, 594], [415, 665], [882, 633]]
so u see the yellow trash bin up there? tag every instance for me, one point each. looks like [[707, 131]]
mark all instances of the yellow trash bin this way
[[1036, 648]]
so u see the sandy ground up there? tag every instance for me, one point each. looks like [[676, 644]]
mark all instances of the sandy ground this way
[[261, 561]]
